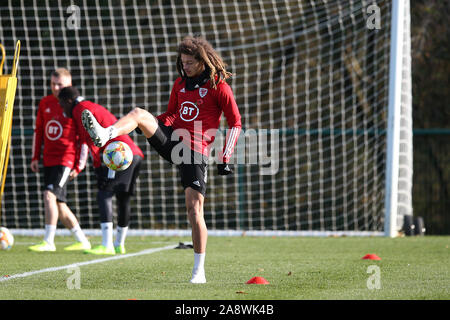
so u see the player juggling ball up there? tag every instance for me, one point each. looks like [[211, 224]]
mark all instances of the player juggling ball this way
[[198, 98]]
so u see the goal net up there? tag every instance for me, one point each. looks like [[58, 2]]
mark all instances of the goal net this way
[[313, 81]]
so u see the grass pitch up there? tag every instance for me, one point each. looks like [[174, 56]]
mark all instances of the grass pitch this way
[[296, 268]]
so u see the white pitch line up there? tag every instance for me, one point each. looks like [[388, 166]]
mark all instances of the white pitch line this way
[[79, 264]]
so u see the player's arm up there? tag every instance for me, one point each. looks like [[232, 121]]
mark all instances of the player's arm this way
[[81, 158], [38, 138], [84, 152], [233, 116]]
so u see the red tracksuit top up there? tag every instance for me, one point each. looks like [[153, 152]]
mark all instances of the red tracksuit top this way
[[199, 111], [59, 136], [105, 119]]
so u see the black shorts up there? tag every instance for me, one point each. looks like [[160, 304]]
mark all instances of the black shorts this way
[[55, 181], [193, 171], [123, 181]]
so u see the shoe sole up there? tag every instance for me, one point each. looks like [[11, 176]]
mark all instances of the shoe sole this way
[[100, 254], [88, 124], [79, 249], [41, 250]]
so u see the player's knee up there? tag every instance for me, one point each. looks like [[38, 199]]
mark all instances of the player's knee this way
[[140, 114], [62, 215], [143, 117], [193, 212], [136, 112], [194, 204], [63, 209], [145, 121], [49, 196]]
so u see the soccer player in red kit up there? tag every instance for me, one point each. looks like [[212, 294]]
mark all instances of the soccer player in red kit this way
[[122, 184], [197, 100], [62, 159]]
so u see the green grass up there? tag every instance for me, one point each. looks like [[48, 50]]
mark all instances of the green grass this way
[[297, 268]]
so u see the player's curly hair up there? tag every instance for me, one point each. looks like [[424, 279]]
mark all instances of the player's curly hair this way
[[201, 50]]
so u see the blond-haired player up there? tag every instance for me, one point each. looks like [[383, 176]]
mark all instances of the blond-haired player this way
[[62, 160]]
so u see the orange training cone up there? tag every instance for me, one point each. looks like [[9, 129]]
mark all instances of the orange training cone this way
[[371, 256], [257, 280]]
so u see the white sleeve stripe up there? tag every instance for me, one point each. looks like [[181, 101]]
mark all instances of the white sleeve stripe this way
[[231, 141], [227, 144], [33, 146]]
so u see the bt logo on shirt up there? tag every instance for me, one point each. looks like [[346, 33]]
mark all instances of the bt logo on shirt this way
[[189, 111], [53, 130]]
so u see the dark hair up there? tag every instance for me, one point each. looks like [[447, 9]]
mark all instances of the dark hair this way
[[67, 99], [68, 93], [202, 51]]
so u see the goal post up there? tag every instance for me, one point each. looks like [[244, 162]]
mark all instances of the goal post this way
[[323, 87], [399, 84]]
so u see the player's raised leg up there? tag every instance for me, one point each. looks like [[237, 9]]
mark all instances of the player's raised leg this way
[[136, 118]]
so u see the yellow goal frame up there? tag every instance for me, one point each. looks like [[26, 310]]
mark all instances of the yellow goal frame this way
[[8, 85]]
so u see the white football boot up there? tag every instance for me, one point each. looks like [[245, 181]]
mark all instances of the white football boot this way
[[99, 135]]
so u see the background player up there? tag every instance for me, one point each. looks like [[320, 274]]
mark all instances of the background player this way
[[62, 157], [197, 100], [122, 185]]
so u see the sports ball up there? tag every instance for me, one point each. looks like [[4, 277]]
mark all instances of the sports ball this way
[[117, 156], [6, 239]]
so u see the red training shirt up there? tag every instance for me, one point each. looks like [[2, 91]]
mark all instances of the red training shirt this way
[[199, 111], [59, 136]]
